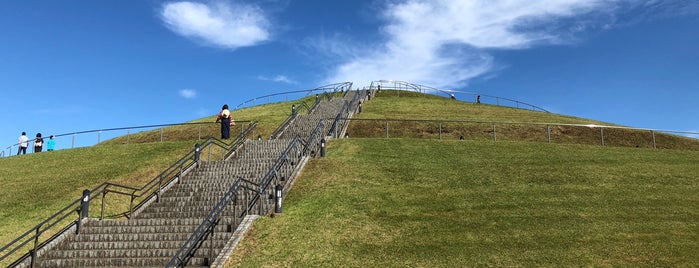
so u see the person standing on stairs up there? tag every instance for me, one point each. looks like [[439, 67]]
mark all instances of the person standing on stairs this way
[[226, 122]]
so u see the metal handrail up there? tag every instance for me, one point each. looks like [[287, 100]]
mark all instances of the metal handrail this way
[[163, 179], [401, 85], [278, 132], [205, 229], [331, 87], [311, 146]]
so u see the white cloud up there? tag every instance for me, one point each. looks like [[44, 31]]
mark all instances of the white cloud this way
[[217, 24], [188, 93], [278, 78], [444, 43]]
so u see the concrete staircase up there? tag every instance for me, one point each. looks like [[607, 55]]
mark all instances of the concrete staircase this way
[[155, 234]]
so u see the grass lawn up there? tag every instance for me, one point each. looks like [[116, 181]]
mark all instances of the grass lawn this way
[[427, 203], [36, 186]]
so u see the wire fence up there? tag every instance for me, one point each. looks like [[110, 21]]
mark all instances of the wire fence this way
[[523, 131]]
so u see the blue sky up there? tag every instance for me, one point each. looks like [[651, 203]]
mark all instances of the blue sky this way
[[74, 65]]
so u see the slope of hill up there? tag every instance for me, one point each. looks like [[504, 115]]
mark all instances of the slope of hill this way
[[47, 182], [450, 203], [427, 203]]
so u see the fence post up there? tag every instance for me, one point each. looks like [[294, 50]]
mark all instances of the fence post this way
[[73, 144], [440, 130], [601, 135], [548, 132], [495, 138], [161, 134], [99, 133], [387, 129], [652, 133], [128, 136]]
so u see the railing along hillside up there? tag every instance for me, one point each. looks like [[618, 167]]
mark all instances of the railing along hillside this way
[[277, 97], [474, 96], [523, 131], [203, 128], [48, 232]]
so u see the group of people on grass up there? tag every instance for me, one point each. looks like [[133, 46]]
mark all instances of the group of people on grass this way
[[224, 117], [38, 144]]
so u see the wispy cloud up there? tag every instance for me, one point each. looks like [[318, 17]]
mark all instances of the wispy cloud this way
[[218, 24], [278, 78], [188, 93], [445, 43]]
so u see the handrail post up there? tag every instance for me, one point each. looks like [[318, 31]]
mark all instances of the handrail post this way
[[36, 243], [104, 196], [73, 144], [131, 206], [99, 134]]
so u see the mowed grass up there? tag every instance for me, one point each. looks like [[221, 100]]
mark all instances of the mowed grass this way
[[428, 203], [37, 185], [455, 119]]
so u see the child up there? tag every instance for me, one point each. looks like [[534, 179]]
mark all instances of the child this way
[[51, 144]]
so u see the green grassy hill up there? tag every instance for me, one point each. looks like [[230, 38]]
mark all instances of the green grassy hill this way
[[426, 203], [37, 185]]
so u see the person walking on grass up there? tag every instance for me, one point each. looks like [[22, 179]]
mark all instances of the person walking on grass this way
[[38, 143], [23, 143], [226, 122]]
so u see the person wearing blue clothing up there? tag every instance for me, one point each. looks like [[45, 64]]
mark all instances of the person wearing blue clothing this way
[[50, 144]]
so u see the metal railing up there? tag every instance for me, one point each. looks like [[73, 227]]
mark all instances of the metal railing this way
[[344, 86], [201, 132], [205, 229], [295, 111], [340, 123], [292, 155], [151, 191], [541, 132], [475, 96]]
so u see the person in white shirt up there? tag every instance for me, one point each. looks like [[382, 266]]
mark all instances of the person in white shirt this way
[[23, 143]]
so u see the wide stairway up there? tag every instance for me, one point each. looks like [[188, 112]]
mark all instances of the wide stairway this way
[[155, 234]]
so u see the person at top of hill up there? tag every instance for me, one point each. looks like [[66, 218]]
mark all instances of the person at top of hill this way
[[23, 143], [51, 144], [226, 122], [38, 143]]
